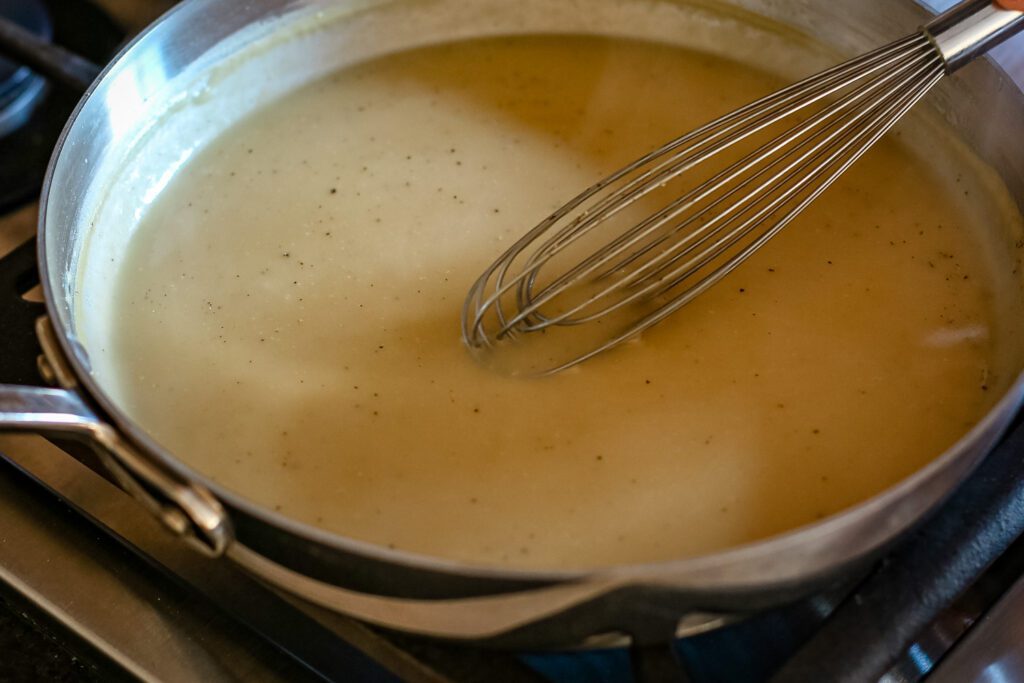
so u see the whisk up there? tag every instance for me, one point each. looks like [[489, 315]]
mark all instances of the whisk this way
[[615, 260]]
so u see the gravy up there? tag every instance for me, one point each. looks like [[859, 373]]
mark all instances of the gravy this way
[[289, 319]]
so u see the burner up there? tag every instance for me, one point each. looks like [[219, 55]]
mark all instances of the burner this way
[[33, 112], [20, 89]]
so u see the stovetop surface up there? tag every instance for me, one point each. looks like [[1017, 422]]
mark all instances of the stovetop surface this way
[[93, 575]]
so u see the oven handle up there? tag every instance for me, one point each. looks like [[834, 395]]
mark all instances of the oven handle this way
[[188, 510]]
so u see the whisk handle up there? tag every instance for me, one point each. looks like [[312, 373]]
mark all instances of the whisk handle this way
[[974, 27]]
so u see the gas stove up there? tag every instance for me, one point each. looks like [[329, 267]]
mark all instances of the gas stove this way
[[81, 563]]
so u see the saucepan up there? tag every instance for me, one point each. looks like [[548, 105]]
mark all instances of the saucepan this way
[[166, 85]]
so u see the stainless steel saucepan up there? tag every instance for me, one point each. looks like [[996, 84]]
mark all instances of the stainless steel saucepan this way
[[205, 64]]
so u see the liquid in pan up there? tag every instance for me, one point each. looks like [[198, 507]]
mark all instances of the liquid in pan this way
[[288, 319]]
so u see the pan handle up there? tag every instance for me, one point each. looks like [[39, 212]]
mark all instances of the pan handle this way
[[188, 510]]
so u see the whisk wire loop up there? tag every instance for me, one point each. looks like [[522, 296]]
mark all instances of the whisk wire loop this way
[[865, 138], [749, 120], [741, 179], [824, 122]]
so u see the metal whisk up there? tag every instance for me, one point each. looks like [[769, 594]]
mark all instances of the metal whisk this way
[[616, 259]]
